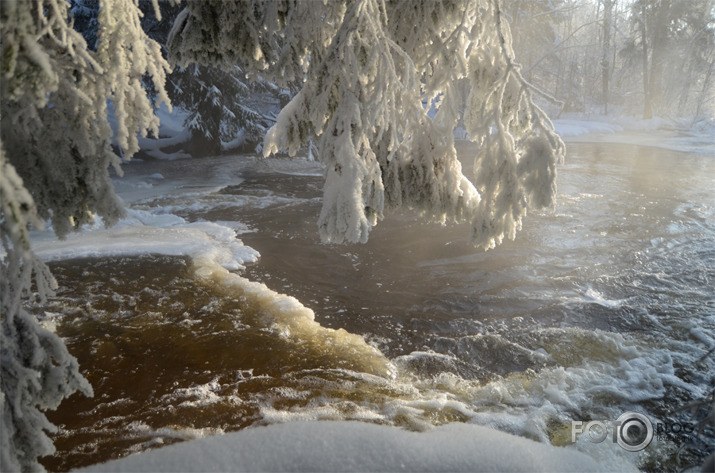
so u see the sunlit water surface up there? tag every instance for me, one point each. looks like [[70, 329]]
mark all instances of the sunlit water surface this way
[[605, 305]]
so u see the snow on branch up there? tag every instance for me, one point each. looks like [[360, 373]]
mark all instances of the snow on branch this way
[[55, 122], [376, 139], [515, 168], [55, 151], [127, 54], [276, 38], [365, 78], [36, 371]]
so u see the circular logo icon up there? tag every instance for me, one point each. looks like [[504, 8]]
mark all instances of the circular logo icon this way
[[635, 431]]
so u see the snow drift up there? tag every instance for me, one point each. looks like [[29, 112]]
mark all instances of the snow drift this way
[[355, 446]]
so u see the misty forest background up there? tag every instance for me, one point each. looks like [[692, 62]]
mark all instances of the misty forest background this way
[[642, 58]]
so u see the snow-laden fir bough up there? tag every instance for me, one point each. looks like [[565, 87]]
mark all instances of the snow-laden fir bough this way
[[54, 157], [370, 71], [369, 77]]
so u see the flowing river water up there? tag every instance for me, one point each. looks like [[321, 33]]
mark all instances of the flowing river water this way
[[603, 306]]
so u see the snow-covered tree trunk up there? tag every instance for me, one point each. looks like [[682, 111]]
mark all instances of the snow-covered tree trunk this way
[[605, 52]]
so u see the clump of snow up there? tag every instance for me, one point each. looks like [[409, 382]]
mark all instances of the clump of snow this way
[[236, 143], [355, 446]]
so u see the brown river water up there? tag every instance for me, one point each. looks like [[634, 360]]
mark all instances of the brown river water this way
[[605, 305]]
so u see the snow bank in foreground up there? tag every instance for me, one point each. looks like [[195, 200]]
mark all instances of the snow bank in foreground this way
[[355, 446]]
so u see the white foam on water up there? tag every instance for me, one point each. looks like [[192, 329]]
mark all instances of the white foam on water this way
[[291, 320], [593, 296], [200, 395], [608, 372], [334, 410]]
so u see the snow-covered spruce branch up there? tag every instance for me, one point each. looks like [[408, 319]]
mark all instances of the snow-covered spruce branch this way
[[378, 144], [127, 54], [279, 39], [515, 167], [55, 150], [55, 123], [36, 371]]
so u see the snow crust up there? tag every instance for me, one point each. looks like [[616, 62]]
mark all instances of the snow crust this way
[[356, 446], [145, 233]]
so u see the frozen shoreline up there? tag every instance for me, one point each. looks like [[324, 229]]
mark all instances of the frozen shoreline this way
[[671, 134], [674, 135], [656, 132]]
